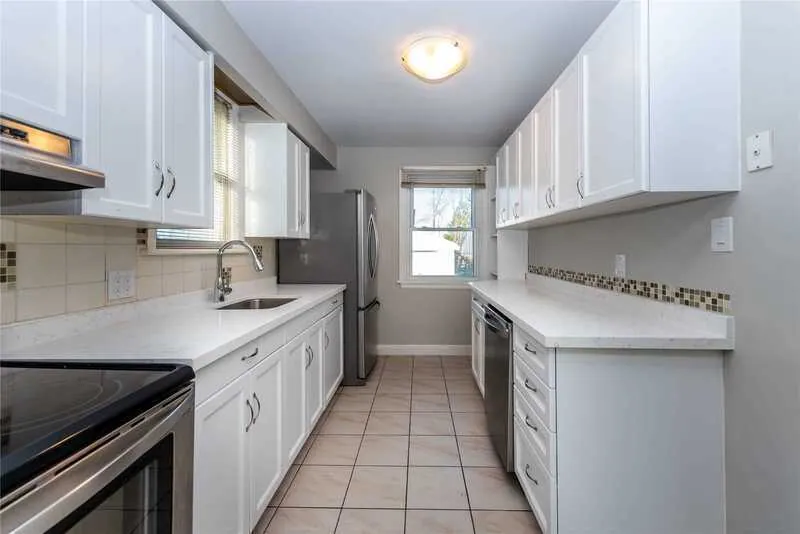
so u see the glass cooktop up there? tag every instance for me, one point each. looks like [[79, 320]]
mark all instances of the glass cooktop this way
[[50, 410]]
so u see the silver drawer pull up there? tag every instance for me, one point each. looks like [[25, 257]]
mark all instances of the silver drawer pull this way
[[528, 422], [530, 387], [255, 353], [527, 474], [530, 349]]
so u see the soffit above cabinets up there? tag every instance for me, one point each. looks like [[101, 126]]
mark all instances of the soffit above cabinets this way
[[342, 60]]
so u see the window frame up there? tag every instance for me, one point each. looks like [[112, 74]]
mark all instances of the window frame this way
[[211, 247], [406, 228]]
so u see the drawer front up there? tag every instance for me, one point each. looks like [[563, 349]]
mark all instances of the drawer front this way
[[214, 377], [540, 397], [539, 358], [539, 487], [540, 437]]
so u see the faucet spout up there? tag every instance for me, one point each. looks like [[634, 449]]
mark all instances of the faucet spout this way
[[222, 285]]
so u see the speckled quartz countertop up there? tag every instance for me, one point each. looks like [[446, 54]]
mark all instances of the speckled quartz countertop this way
[[561, 314], [188, 329]]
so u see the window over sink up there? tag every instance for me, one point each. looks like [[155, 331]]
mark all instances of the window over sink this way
[[439, 229], [228, 189]]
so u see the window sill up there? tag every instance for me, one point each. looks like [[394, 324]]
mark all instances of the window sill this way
[[435, 284]]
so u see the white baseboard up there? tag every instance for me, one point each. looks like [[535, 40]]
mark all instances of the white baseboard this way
[[424, 350]]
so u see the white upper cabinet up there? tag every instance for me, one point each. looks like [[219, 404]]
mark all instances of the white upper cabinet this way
[[513, 202], [188, 105], [41, 63], [543, 153], [527, 184], [501, 190], [277, 170], [611, 71], [641, 117], [567, 132], [125, 141]]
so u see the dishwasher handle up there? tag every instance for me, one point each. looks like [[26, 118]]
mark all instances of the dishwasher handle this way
[[495, 323]]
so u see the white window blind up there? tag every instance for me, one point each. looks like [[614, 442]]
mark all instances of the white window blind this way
[[228, 187]]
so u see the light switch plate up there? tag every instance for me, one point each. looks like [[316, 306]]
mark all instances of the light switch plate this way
[[619, 266], [759, 151], [722, 234], [121, 285]]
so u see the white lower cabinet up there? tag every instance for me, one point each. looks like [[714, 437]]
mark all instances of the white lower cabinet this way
[[221, 488], [248, 431], [478, 333]]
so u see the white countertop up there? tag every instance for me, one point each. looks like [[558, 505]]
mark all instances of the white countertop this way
[[566, 315], [192, 331]]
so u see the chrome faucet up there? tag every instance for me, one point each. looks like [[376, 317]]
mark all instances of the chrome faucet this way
[[222, 287]]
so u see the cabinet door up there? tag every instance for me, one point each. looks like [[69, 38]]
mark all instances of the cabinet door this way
[[501, 196], [188, 82], [526, 168], [293, 424], [332, 368], [612, 108], [513, 202], [303, 193], [313, 368], [293, 215], [265, 452], [567, 135], [41, 64], [477, 342], [221, 476], [124, 140], [543, 152]]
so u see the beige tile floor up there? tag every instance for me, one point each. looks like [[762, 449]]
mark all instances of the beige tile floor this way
[[407, 453]]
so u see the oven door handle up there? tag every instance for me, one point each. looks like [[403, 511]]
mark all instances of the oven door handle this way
[[53, 495]]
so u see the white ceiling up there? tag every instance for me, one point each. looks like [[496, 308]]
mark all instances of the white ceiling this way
[[341, 59]]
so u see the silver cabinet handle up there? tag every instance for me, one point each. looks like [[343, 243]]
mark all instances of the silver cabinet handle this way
[[253, 355], [529, 349], [547, 198], [174, 182], [528, 474], [516, 210], [308, 357], [579, 184], [258, 407], [157, 166], [528, 422], [327, 341], [312, 355], [477, 326], [252, 419], [530, 387]]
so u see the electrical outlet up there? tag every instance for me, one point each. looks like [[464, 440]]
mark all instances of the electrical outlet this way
[[121, 285], [722, 234], [619, 266]]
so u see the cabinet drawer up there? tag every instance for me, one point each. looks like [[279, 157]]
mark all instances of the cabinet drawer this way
[[539, 358], [539, 397], [539, 487], [214, 377], [542, 439], [299, 324]]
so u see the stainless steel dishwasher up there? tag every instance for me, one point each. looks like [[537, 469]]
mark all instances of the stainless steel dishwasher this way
[[498, 360]]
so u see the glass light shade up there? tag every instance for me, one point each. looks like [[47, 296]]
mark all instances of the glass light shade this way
[[434, 59]]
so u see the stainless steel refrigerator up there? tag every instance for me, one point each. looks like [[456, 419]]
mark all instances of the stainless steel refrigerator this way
[[344, 248]]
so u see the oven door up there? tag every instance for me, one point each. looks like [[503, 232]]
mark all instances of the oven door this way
[[137, 480]]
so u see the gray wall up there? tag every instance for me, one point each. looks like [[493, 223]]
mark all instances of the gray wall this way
[[672, 244], [210, 23], [408, 316]]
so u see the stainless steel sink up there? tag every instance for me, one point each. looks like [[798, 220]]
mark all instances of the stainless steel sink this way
[[257, 304]]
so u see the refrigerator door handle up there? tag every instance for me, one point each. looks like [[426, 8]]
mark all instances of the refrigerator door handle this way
[[377, 245], [374, 304]]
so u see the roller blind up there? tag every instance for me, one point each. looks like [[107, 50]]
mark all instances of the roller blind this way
[[227, 187], [454, 176]]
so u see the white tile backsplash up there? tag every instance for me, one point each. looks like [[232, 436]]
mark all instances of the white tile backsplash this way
[[62, 268]]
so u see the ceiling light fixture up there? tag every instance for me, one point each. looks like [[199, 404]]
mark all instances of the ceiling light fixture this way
[[434, 59]]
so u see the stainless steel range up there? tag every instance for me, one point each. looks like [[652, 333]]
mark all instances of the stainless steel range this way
[[96, 448]]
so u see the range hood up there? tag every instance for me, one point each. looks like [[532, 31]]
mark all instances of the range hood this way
[[37, 160]]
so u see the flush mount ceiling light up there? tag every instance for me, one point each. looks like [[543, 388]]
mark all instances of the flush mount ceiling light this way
[[434, 59]]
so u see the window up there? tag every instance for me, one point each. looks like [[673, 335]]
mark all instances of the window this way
[[228, 188], [439, 225]]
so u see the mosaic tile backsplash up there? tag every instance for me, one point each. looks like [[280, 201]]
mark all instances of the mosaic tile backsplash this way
[[712, 301]]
